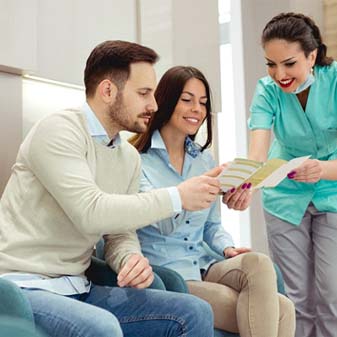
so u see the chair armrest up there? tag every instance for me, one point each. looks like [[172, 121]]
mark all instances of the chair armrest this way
[[13, 301], [173, 281], [100, 273]]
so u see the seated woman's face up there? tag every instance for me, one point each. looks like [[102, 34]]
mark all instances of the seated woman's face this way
[[190, 111]]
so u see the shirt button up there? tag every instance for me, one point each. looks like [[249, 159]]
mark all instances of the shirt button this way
[[187, 221], [190, 247], [185, 239], [195, 262]]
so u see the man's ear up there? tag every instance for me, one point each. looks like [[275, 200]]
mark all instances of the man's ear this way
[[107, 91]]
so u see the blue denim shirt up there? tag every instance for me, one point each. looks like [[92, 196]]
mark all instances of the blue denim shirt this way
[[182, 242]]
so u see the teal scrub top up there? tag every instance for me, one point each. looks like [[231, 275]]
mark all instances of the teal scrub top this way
[[299, 132]]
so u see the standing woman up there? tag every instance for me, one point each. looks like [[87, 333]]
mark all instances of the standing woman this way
[[299, 100], [242, 288]]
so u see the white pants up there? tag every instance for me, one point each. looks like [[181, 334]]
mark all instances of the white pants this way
[[307, 257]]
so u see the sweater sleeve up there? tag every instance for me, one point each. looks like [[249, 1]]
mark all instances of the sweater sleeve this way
[[56, 153], [118, 247]]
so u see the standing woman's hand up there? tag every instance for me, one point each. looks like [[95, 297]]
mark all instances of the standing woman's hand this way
[[309, 172], [238, 199]]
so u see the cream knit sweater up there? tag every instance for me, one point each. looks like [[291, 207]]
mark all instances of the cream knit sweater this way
[[65, 192]]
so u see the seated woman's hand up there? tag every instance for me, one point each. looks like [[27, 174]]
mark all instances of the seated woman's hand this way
[[136, 272], [231, 251], [238, 199]]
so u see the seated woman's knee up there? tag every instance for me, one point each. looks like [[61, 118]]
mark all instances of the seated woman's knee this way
[[257, 263], [287, 313]]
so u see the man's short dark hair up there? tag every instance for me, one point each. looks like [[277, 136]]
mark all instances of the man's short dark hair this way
[[111, 60]]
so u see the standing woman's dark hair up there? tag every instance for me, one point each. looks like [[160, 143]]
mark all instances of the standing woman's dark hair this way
[[167, 95], [294, 27]]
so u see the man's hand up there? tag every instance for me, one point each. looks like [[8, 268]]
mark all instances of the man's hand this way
[[238, 199], [136, 272], [231, 251], [199, 192], [309, 172]]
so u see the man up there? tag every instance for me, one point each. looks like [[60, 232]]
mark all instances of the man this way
[[75, 180]]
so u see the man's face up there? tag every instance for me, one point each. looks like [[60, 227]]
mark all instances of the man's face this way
[[135, 104]]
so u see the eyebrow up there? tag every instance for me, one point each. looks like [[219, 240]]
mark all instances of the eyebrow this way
[[189, 93], [284, 61]]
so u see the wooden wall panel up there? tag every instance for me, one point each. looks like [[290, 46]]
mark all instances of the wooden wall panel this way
[[330, 26]]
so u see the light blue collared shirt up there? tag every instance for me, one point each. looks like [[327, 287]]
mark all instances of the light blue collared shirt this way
[[96, 129], [64, 285], [179, 242]]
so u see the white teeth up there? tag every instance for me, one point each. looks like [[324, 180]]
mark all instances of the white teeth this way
[[286, 81], [193, 120]]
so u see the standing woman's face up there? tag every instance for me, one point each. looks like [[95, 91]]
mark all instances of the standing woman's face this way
[[287, 64], [190, 111]]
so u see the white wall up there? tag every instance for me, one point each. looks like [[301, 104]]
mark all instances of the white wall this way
[[67, 30], [18, 28], [50, 39], [184, 32]]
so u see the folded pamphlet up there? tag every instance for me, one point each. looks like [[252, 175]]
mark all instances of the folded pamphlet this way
[[259, 174]]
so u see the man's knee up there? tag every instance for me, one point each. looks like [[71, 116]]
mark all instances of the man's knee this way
[[200, 311], [105, 325]]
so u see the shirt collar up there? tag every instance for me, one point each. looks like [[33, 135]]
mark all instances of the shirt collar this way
[[192, 148], [157, 141], [96, 129]]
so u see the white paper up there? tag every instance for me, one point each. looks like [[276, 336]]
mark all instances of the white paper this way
[[277, 176]]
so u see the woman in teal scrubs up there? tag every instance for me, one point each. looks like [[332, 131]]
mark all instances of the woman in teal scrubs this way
[[299, 100]]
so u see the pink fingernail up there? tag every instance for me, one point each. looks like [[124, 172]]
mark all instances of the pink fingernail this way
[[232, 190], [244, 186], [249, 185]]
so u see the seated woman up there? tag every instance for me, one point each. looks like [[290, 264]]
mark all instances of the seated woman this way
[[242, 287]]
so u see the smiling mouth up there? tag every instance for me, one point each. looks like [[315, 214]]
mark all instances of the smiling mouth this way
[[191, 120], [286, 83]]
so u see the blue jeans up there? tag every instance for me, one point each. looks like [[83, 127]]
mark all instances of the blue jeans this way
[[117, 312]]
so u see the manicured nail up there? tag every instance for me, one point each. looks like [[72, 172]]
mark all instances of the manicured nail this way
[[249, 185], [244, 186], [232, 190], [291, 175]]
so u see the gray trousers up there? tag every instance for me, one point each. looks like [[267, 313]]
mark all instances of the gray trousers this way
[[307, 257]]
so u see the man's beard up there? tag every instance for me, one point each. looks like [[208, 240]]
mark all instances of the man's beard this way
[[121, 117]]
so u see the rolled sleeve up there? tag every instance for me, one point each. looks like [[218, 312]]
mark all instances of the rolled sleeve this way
[[214, 234]]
